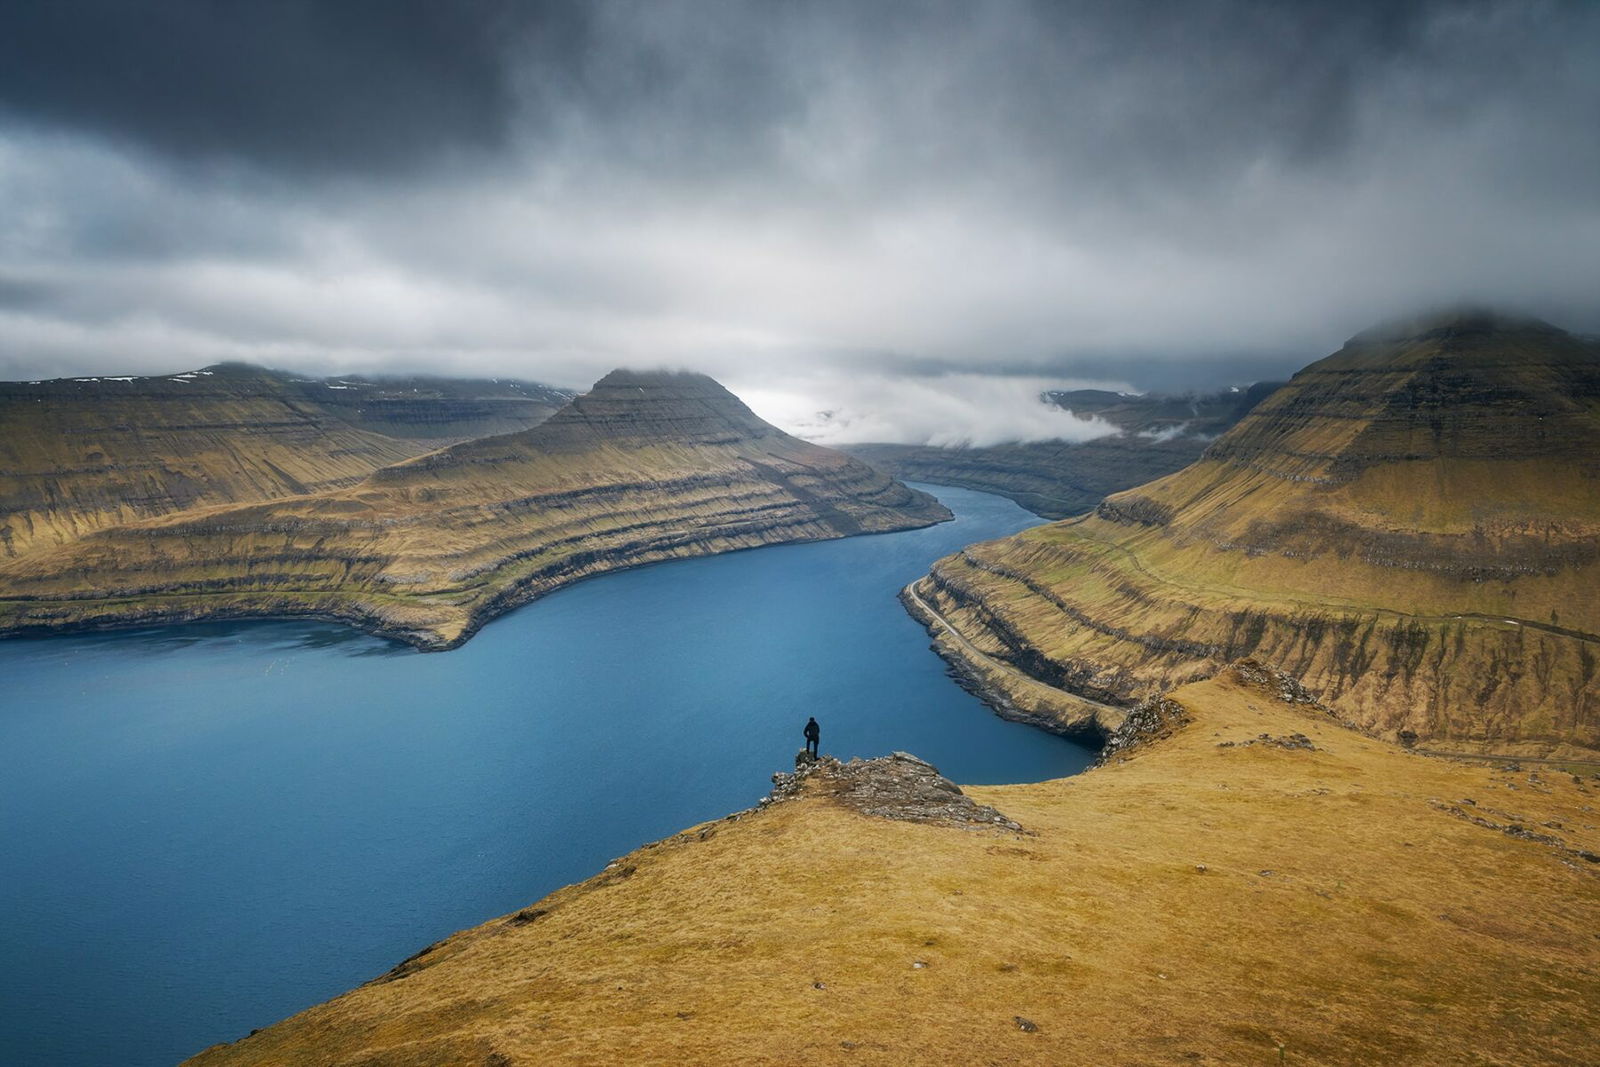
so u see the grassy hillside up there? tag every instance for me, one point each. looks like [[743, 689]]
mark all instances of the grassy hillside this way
[[1411, 525], [79, 455], [646, 467], [1249, 882]]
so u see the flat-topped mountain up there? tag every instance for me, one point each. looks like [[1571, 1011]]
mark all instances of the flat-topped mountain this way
[[644, 467], [1156, 435], [82, 454], [1412, 525]]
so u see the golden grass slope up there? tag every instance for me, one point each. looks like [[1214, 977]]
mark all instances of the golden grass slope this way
[[1217, 897], [1411, 525], [646, 467], [80, 455]]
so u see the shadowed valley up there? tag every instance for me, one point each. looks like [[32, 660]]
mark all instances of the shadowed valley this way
[[1156, 435]]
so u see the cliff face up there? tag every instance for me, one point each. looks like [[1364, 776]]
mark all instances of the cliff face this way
[[79, 455], [1412, 525], [1056, 479], [1250, 882], [646, 467]]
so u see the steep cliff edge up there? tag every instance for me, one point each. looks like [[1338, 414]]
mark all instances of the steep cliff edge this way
[[1411, 525], [645, 467], [82, 454], [1252, 883]]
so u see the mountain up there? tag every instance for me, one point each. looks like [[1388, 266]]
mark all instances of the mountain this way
[[645, 467], [1245, 881], [83, 454], [1411, 525], [1157, 435]]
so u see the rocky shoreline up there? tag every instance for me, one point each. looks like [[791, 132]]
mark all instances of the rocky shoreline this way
[[113, 615], [1009, 692]]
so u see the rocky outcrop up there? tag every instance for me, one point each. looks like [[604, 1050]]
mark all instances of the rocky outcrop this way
[[644, 468], [1159, 717], [1411, 525], [897, 786]]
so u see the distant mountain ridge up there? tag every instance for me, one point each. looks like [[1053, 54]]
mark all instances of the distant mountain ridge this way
[[1057, 479], [83, 454], [644, 467], [1411, 525]]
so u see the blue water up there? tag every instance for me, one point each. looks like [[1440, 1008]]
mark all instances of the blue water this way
[[207, 828]]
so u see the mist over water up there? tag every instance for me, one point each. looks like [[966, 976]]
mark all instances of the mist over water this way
[[208, 828]]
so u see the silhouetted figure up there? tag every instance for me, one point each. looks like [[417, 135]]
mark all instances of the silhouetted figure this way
[[813, 736]]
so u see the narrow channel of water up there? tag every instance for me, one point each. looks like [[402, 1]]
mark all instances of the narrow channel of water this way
[[204, 829]]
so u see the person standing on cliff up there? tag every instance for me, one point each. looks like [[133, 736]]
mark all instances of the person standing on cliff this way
[[813, 734]]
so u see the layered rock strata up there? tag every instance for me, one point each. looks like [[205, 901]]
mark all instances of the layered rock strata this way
[[79, 455], [1411, 525], [646, 467]]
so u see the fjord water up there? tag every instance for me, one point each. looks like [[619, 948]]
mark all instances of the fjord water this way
[[207, 828]]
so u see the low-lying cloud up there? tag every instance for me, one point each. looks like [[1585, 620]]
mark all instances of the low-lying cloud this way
[[949, 410]]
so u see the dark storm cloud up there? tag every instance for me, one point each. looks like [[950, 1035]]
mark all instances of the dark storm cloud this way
[[301, 84], [813, 200]]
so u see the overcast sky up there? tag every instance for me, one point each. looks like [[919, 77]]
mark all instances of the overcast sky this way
[[837, 206]]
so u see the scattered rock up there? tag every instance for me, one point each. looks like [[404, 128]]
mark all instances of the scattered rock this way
[[408, 966], [1027, 1026], [1151, 720], [1300, 741], [1285, 687], [1515, 829], [526, 916], [1201, 868]]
